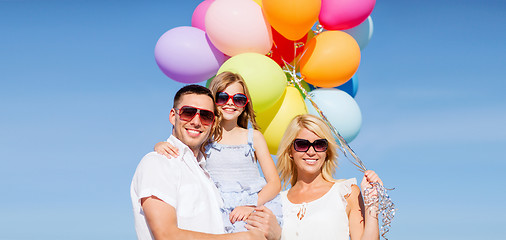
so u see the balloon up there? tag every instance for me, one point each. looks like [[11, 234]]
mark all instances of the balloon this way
[[330, 59], [274, 121], [350, 87], [292, 18], [362, 33], [199, 15], [340, 109], [344, 14], [266, 81], [185, 55], [284, 49], [208, 82], [238, 26], [303, 84]]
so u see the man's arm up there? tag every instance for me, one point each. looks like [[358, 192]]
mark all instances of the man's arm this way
[[162, 220]]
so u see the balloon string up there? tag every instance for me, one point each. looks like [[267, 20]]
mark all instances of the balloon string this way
[[386, 206], [319, 29], [377, 195], [343, 145]]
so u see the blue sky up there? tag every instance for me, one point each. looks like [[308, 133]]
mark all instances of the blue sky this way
[[82, 100]]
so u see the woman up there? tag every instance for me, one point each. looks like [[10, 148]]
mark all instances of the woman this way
[[318, 206]]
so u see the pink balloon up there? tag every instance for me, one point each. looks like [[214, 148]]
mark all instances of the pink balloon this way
[[344, 14], [199, 15], [186, 55], [238, 26]]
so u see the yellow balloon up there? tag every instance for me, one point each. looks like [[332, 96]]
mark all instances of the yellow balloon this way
[[330, 59], [274, 121], [292, 18], [266, 81]]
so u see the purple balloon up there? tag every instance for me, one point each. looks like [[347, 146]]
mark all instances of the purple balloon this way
[[186, 55]]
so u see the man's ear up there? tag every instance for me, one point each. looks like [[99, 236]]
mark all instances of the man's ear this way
[[172, 116]]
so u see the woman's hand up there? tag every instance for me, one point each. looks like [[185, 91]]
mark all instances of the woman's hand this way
[[166, 149], [241, 213], [369, 177], [264, 220], [370, 196]]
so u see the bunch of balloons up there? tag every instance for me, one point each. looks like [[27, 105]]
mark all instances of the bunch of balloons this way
[[289, 52]]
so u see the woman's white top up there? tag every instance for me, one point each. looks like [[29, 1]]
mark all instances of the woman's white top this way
[[323, 218]]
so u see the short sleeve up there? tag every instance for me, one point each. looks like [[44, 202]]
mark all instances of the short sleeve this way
[[345, 188], [158, 176]]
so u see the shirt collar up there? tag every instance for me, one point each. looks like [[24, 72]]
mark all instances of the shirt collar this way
[[184, 149]]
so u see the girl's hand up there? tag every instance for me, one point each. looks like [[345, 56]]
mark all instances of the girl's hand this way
[[166, 149], [241, 213]]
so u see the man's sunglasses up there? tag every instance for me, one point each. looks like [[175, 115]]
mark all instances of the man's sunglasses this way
[[187, 113], [303, 145], [240, 100]]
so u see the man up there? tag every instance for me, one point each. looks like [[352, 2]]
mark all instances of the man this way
[[176, 199]]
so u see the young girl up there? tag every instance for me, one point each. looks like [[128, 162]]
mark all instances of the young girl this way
[[231, 159]]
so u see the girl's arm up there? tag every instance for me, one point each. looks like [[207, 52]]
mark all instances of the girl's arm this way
[[166, 149], [363, 221], [273, 186]]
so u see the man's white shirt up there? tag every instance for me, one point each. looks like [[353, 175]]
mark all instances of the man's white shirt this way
[[182, 183]]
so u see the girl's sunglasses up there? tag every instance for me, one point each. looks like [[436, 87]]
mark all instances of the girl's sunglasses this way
[[303, 145], [240, 100], [187, 113]]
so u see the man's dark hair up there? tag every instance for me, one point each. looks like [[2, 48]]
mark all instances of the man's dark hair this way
[[216, 130], [192, 89]]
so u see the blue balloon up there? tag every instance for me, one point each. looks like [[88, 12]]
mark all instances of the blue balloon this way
[[340, 109], [350, 87], [362, 33]]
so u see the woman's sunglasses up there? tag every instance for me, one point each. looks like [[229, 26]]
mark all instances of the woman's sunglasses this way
[[303, 145], [240, 100], [187, 113]]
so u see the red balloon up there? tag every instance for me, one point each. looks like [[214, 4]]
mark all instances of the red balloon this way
[[284, 49]]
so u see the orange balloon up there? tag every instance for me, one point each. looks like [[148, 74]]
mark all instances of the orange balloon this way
[[330, 59], [292, 18]]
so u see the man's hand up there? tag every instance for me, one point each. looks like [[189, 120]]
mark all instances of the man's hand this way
[[264, 220]]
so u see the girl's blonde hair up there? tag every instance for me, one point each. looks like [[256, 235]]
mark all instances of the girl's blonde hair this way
[[286, 166], [222, 81]]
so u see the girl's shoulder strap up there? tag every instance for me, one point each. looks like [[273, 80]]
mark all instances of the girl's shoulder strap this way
[[250, 136]]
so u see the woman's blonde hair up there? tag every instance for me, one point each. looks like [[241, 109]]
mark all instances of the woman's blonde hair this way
[[222, 81], [286, 167]]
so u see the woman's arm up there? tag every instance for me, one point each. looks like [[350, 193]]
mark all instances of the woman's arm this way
[[363, 221], [273, 186]]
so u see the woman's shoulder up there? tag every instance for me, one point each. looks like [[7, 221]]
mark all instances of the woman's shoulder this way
[[346, 187], [346, 182]]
